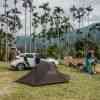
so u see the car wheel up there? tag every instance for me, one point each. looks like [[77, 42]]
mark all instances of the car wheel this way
[[20, 66]]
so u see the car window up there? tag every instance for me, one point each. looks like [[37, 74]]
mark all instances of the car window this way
[[21, 55], [29, 55]]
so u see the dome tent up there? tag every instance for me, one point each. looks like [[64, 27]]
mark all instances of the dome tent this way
[[44, 74]]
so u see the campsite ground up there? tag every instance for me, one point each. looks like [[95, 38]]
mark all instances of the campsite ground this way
[[81, 86]]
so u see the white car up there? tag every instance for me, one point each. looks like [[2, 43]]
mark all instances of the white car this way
[[24, 60], [51, 60]]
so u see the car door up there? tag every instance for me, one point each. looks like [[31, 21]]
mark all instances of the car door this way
[[31, 60]]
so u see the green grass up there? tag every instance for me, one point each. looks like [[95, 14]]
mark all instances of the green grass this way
[[81, 86]]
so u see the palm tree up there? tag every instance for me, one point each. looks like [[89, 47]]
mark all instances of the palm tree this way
[[8, 19], [51, 32], [5, 12], [12, 24], [66, 27], [89, 9], [31, 9], [45, 19], [35, 24], [57, 14], [16, 12], [78, 14], [12, 19], [15, 2], [3, 43], [25, 5]]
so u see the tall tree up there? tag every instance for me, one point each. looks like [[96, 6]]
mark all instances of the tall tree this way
[[13, 25], [66, 27], [3, 43], [89, 9], [5, 12], [31, 8], [57, 14], [28, 4], [25, 5], [45, 19], [8, 20], [78, 14], [35, 24]]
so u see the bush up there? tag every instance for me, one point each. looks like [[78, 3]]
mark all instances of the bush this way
[[55, 52], [80, 53], [97, 52]]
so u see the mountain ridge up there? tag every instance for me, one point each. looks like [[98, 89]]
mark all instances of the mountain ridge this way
[[20, 40]]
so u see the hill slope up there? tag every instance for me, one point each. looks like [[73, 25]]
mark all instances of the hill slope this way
[[20, 40]]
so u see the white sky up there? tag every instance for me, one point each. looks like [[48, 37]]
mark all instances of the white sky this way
[[65, 4]]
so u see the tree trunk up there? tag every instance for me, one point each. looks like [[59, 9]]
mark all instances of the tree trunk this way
[[30, 30], [25, 30]]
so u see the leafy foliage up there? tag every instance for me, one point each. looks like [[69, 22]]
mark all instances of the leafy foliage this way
[[3, 40]]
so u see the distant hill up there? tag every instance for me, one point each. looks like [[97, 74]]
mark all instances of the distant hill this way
[[20, 40], [95, 30]]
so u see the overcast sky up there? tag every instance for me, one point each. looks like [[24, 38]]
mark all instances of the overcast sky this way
[[65, 4]]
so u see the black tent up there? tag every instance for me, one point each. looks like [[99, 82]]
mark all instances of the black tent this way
[[44, 73]]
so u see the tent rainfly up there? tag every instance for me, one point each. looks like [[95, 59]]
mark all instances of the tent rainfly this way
[[44, 73]]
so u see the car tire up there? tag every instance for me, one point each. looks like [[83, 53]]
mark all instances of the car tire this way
[[20, 66]]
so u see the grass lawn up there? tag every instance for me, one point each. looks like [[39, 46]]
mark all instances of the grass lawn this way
[[81, 86]]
